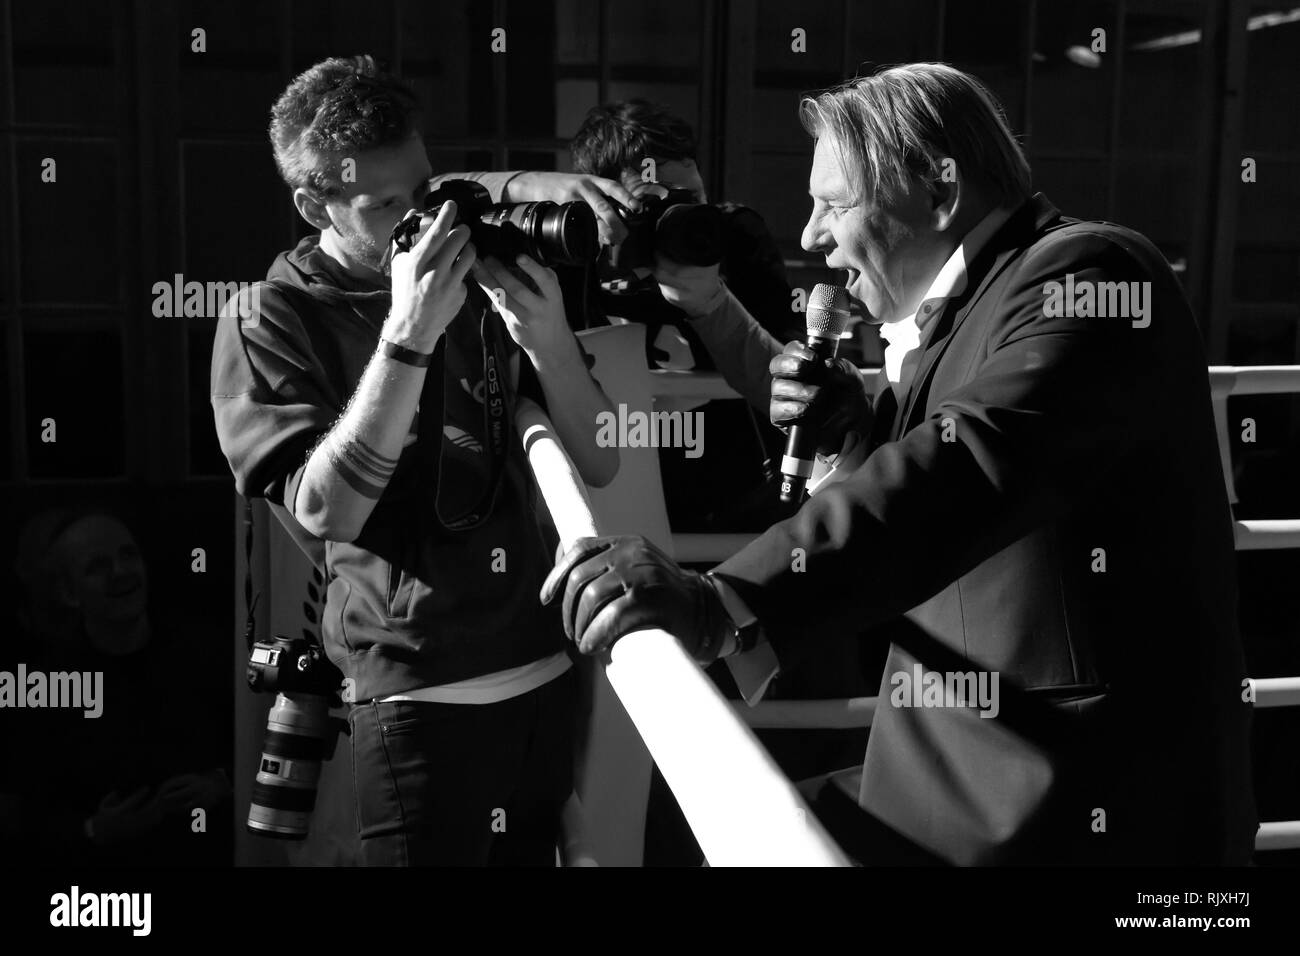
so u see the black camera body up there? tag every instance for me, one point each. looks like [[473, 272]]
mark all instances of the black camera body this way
[[671, 224], [551, 233], [297, 666]]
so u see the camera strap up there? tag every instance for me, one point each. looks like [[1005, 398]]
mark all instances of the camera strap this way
[[469, 467]]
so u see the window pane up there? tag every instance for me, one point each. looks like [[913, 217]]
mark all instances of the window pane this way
[[233, 208], [531, 70], [784, 60], [68, 228], [328, 28], [74, 378], [662, 36], [64, 62], [1262, 273], [987, 40], [892, 31], [1070, 106], [1269, 208], [1272, 77], [447, 58], [1163, 60], [240, 68], [1267, 256]]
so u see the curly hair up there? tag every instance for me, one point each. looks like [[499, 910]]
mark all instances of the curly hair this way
[[618, 136], [339, 106]]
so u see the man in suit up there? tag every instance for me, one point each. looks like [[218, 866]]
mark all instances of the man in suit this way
[[1033, 500]]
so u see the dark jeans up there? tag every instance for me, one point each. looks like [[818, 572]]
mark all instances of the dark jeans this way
[[464, 784]]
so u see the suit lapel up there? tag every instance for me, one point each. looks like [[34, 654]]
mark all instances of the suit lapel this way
[[884, 414], [1016, 234]]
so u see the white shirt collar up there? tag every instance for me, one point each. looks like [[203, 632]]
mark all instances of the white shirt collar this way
[[950, 282]]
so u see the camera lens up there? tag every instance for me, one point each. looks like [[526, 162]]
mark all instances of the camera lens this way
[[295, 743], [691, 234], [552, 234]]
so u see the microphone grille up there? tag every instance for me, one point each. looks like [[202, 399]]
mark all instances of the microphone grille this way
[[828, 311]]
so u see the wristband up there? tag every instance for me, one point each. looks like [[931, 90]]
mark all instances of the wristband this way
[[404, 355]]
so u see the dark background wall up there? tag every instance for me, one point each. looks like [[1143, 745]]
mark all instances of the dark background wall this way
[[163, 167]]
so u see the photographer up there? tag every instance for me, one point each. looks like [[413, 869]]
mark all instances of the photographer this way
[[354, 401], [646, 148], [637, 143]]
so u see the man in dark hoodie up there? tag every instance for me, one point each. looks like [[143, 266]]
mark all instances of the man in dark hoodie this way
[[371, 405]]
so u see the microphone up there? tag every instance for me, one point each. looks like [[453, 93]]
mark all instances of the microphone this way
[[827, 317]]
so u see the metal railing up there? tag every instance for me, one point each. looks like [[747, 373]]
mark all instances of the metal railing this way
[[741, 807]]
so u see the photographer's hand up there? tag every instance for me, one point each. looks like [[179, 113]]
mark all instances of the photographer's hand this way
[[696, 290], [595, 191], [535, 319], [428, 283], [537, 323], [353, 463]]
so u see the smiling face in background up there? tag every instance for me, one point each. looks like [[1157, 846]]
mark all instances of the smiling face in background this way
[[891, 249], [103, 572]]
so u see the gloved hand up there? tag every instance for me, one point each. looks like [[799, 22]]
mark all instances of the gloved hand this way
[[828, 396], [616, 585]]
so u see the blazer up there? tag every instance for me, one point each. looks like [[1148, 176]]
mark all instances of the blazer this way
[[1045, 506]]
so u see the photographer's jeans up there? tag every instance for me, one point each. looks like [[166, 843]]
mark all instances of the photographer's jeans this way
[[464, 784]]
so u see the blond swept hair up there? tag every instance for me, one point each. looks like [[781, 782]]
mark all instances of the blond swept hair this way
[[904, 121]]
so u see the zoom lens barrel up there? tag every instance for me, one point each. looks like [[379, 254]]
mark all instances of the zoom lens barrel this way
[[295, 744]]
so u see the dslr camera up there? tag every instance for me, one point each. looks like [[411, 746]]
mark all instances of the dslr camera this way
[[552, 234], [672, 224], [299, 734]]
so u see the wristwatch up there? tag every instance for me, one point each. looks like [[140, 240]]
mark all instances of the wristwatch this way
[[404, 355], [745, 629]]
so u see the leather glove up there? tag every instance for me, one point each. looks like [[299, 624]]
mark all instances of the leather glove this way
[[828, 396], [616, 585]]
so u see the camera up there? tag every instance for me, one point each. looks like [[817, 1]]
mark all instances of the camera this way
[[550, 233], [299, 734], [671, 224]]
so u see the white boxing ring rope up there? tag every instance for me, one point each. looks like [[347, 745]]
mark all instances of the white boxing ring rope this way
[[741, 807]]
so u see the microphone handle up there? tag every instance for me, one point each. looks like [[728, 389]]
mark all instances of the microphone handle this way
[[801, 445]]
